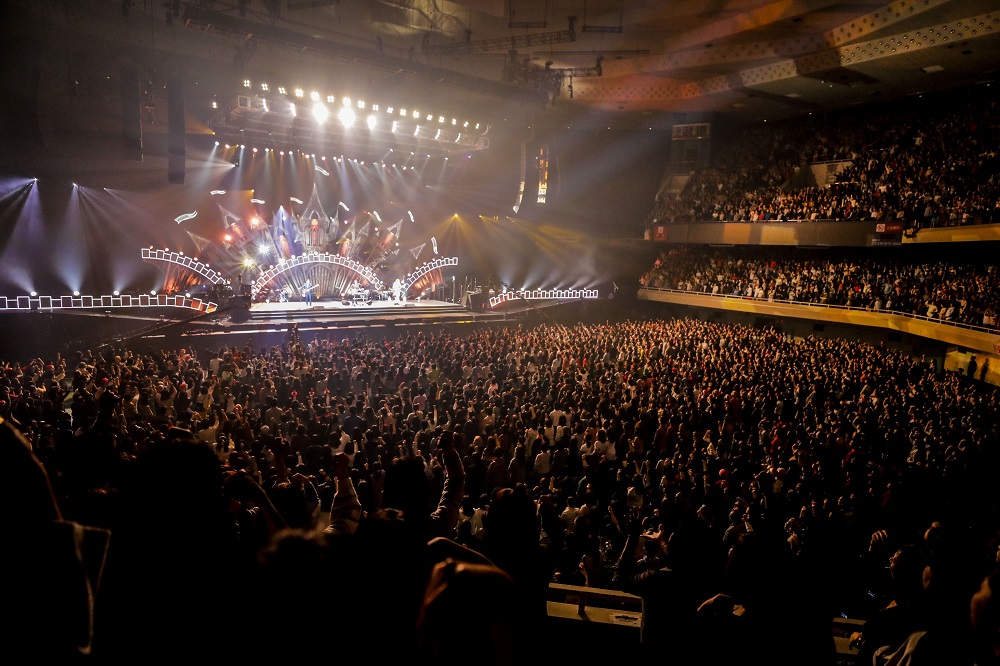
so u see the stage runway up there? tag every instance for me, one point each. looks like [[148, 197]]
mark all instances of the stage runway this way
[[331, 315], [322, 306]]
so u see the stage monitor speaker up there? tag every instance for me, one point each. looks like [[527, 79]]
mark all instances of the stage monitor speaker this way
[[131, 115], [178, 134]]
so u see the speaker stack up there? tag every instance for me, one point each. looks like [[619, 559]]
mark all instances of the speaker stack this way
[[177, 135]]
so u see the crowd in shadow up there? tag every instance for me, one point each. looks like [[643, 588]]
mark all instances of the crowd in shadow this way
[[932, 163], [415, 495], [944, 291]]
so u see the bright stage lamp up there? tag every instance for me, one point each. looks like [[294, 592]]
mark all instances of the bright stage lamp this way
[[320, 112], [372, 121], [346, 116], [263, 249]]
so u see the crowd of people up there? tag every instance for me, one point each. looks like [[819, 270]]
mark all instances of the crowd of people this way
[[930, 164], [944, 291], [416, 494]]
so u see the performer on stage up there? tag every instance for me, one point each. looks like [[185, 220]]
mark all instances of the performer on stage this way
[[307, 288], [398, 294]]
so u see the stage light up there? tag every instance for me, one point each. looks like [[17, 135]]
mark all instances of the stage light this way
[[34, 293], [372, 121], [254, 221], [361, 103], [346, 116], [215, 105], [299, 92], [320, 112], [216, 143], [346, 101], [246, 83], [187, 294], [395, 123], [75, 185], [440, 120], [477, 125], [116, 293], [248, 262], [374, 107], [416, 114], [314, 96], [430, 117], [324, 158], [410, 213], [227, 146], [402, 112], [282, 91], [76, 293], [454, 121], [465, 124], [292, 109], [263, 249], [227, 238], [255, 150], [264, 87], [329, 99], [152, 292], [389, 110]]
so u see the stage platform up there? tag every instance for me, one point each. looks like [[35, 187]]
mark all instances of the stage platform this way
[[329, 314], [339, 309]]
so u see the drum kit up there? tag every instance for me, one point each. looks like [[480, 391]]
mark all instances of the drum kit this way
[[357, 295]]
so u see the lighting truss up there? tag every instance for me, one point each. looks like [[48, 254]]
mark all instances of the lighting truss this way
[[504, 43]]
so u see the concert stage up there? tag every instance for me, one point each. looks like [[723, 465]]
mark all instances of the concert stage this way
[[350, 309], [335, 314]]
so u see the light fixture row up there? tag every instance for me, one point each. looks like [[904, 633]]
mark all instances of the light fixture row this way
[[348, 102]]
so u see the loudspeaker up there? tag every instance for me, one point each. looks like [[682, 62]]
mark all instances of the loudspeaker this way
[[178, 135], [131, 116]]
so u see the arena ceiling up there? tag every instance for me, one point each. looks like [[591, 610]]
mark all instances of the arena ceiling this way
[[645, 59]]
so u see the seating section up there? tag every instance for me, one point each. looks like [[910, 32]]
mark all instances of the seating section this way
[[930, 163], [948, 292]]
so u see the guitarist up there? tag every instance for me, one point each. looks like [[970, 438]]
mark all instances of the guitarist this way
[[307, 289]]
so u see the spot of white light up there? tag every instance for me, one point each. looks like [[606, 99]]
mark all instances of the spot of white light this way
[[320, 112], [346, 116]]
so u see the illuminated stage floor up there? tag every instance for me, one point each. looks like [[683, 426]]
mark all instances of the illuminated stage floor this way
[[329, 314], [320, 308]]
